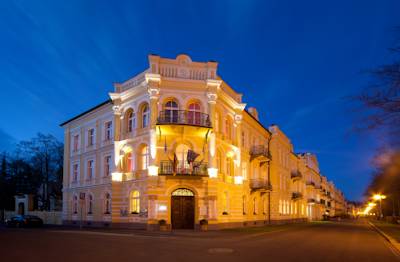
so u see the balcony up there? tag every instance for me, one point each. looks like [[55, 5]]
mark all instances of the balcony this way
[[261, 152], [260, 185], [310, 183], [183, 117], [182, 169], [297, 195], [295, 175]]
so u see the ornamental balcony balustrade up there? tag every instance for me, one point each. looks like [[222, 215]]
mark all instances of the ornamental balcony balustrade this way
[[297, 195], [183, 117], [182, 169], [260, 151], [260, 185], [296, 175], [311, 201], [310, 183]]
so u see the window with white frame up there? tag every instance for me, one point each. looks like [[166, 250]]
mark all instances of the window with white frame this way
[[107, 166], [75, 172], [75, 143], [90, 204], [194, 113], [131, 121], [90, 169], [108, 130], [135, 202], [107, 204], [145, 116], [171, 111], [144, 156], [75, 204], [91, 137]]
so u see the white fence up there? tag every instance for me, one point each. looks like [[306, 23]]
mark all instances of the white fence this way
[[49, 217]]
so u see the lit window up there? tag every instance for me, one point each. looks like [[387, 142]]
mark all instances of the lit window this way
[[108, 130], [107, 204], [107, 166], [145, 116], [91, 137], [135, 202], [194, 114], [145, 157]]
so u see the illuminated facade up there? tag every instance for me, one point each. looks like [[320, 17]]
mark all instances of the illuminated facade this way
[[176, 143]]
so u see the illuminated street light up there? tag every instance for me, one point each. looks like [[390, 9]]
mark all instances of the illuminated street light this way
[[379, 197]]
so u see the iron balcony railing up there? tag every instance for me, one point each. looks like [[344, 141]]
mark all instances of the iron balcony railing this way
[[183, 117], [297, 195], [182, 168], [259, 151], [296, 175], [260, 184]]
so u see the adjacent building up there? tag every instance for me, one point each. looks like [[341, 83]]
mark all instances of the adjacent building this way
[[176, 143]]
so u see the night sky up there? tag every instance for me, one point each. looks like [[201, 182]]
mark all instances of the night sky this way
[[295, 61]]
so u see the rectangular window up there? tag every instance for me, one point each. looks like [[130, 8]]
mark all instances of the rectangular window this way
[[91, 137], [107, 166], [90, 169], [108, 130], [75, 172], [76, 143]]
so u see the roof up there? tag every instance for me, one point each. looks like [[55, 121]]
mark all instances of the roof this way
[[269, 132], [87, 111]]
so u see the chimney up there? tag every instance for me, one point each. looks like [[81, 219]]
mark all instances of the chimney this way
[[253, 112]]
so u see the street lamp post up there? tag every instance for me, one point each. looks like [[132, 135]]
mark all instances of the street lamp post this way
[[379, 197]]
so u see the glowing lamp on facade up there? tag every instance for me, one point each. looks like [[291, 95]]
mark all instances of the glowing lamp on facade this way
[[116, 176], [162, 208], [153, 143], [238, 180], [212, 172], [152, 170]]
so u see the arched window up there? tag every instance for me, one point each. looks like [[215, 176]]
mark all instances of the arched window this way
[[145, 116], [135, 202], [75, 205], [144, 157], [90, 204], [181, 153], [107, 203], [171, 111], [129, 162], [131, 121], [194, 114]]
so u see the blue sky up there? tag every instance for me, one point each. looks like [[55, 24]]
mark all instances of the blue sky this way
[[293, 60]]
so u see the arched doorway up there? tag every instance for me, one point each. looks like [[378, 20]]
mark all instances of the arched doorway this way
[[182, 209]]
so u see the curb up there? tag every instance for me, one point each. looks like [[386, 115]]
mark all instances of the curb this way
[[391, 240]]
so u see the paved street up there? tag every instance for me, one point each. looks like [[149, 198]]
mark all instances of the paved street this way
[[333, 241]]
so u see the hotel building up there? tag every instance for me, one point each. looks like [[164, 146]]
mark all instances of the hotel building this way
[[176, 143]]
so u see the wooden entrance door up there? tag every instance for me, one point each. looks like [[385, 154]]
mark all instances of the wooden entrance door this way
[[182, 212]]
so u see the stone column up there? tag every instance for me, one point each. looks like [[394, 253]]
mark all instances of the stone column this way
[[212, 96], [117, 137], [153, 89]]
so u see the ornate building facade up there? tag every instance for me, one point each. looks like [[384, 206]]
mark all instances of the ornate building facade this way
[[176, 143]]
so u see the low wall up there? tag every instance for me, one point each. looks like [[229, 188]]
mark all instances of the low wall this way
[[48, 217]]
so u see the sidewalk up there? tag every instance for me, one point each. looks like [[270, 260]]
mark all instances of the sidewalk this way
[[390, 231]]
